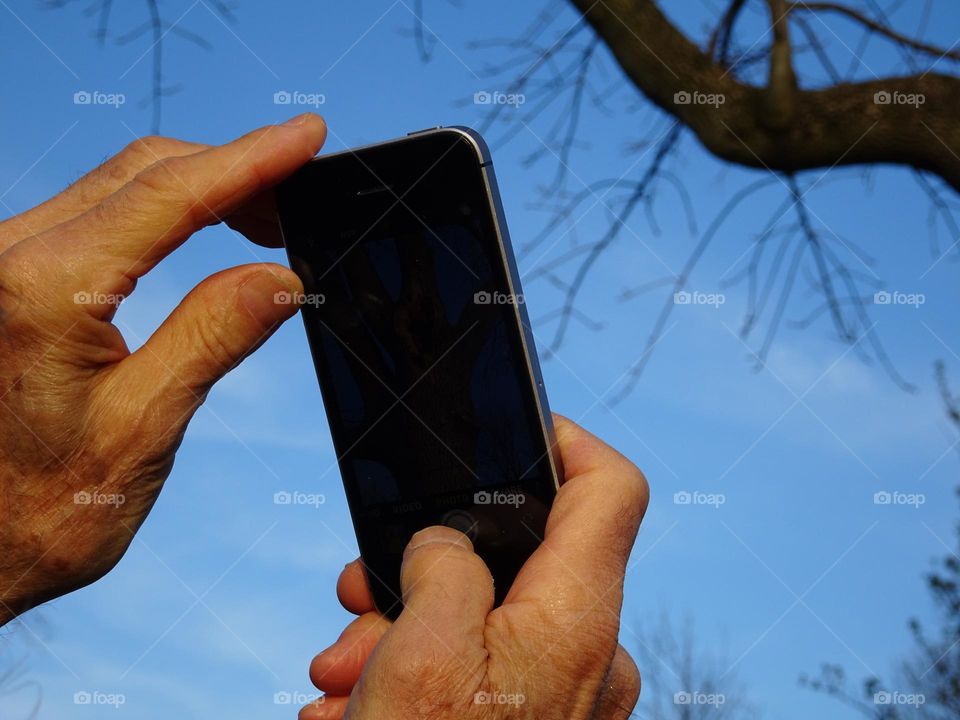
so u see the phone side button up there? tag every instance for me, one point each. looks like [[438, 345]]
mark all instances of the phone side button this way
[[463, 521]]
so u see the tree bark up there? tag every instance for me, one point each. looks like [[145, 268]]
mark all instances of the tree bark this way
[[758, 127]]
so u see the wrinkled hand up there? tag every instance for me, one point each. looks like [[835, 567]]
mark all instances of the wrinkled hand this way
[[550, 651], [88, 430]]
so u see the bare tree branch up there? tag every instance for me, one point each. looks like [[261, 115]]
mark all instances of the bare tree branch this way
[[837, 125], [879, 28], [156, 29]]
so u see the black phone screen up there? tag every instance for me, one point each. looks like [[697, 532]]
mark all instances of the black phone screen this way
[[418, 341]]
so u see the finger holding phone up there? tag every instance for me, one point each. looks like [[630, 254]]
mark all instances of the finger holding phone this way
[[549, 651], [88, 429]]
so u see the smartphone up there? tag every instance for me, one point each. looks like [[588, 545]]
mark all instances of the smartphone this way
[[426, 362]]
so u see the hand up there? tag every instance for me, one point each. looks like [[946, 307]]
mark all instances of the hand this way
[[550, 651], [88, 430]]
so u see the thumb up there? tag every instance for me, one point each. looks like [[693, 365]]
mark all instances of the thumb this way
[[221, 321], [438, 640], [447, 594], [445, 585]]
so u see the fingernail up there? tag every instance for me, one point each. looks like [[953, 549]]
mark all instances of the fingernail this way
[[298, 120], [439, 534], [262, 295]]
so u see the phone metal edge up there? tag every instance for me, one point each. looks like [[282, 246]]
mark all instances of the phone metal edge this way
[[516, 290]]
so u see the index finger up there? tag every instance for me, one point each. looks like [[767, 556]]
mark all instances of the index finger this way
[[133, 229], [93, 187]]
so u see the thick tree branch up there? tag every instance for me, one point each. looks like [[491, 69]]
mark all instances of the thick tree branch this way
[[839, 125]]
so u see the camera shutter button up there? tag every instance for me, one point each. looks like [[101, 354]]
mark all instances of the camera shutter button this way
[[463, 521]]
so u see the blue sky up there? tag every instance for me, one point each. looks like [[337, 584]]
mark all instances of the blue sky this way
[[226, 596]]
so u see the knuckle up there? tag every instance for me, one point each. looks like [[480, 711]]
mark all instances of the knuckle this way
[[155, 178], [153, 148], [165, 174], [168, 180], [251, 180], [620, 689], [632, 494], [627, 679], [638, 488], [249, 169], [120, 169], [147, 147], [145, 152], [155, 145], [633, 491], [136, 156]]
